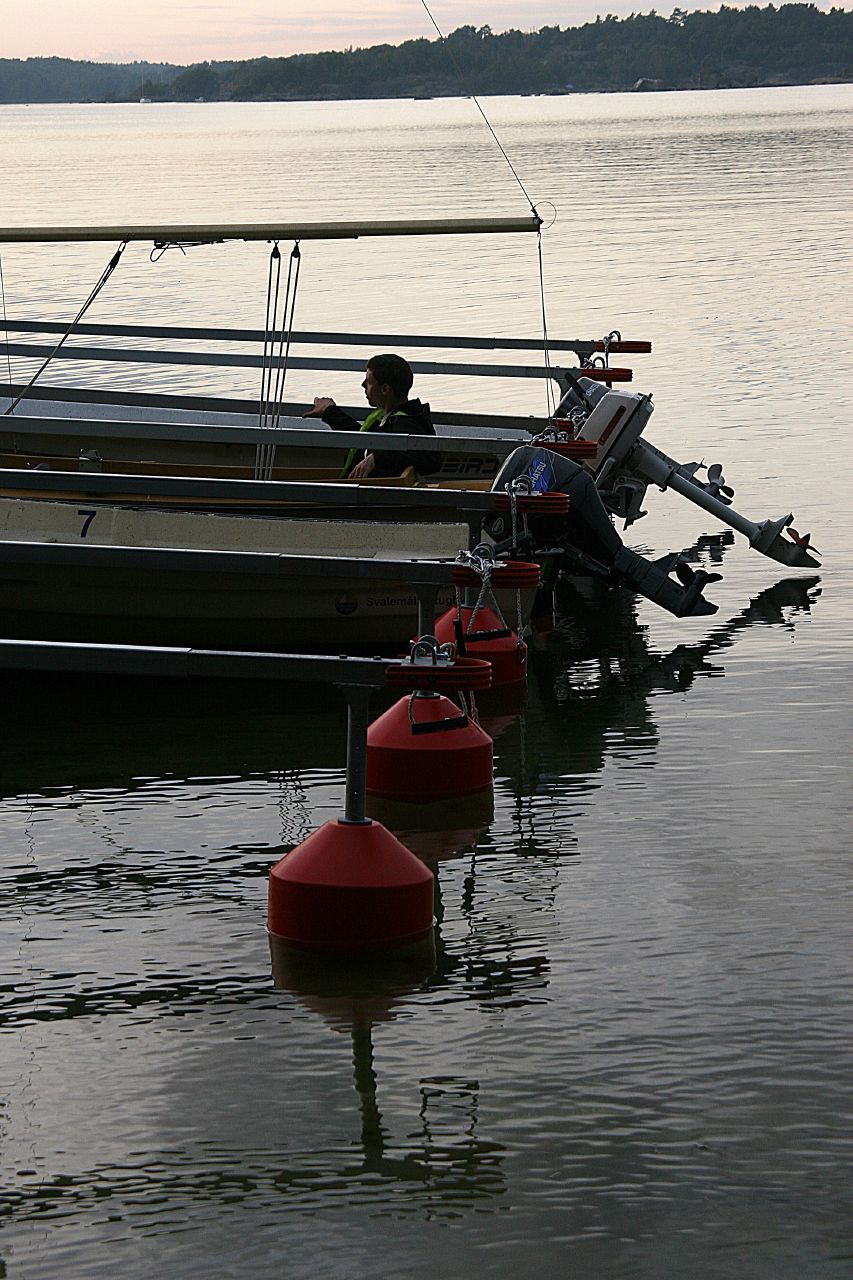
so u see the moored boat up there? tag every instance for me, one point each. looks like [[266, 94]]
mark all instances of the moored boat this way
[[104, 493]]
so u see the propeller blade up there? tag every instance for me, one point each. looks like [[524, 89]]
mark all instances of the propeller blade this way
[[802, 539]]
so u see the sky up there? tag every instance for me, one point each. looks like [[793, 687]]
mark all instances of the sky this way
[[186, 31]]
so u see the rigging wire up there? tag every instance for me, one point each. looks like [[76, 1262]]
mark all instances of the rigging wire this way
[[549, 390], [105, 275], [462, 80], [293, 268], [274, 365], [5, 324], [273, 283], [476, 102]]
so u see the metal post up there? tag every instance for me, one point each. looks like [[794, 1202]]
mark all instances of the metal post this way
[[357, 697], [426, 609]]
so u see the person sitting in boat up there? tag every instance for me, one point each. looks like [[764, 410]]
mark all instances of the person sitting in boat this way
[[387, 383]]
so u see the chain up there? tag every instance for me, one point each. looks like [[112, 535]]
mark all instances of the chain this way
[[482, 562], [613, 336]]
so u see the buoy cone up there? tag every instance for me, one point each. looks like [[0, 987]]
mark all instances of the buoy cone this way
[[432, 764], [508, 658], [350, 886]]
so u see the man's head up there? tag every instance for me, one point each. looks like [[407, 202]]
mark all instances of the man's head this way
[[388, 381]]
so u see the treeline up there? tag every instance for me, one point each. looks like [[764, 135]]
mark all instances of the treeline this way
[[794, 44], [62, 80]]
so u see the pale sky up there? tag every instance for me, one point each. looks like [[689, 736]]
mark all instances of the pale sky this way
[[185, 31]]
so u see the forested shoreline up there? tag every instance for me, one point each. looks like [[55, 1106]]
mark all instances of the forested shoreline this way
[[729, 48]]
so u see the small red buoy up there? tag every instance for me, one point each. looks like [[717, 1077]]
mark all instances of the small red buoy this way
[[351, 886], [491, 640], [445, 753]]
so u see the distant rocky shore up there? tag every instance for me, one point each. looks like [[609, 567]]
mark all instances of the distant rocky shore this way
[[730, 48]]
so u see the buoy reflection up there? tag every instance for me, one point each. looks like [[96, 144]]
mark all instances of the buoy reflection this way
[[441, 1150]]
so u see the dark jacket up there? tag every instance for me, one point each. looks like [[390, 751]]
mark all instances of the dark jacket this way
[[411, 419]]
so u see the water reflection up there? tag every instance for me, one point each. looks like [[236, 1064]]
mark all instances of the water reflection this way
[[155, 829], [232, 1139], [438, 830], [495, 960], [125, 733], [442, 1152], [599, 665], [604, 630]]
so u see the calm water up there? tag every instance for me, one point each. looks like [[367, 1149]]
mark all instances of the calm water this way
[[630, 1053]]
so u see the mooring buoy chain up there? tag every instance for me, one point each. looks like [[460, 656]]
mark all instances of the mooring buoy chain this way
[[427, 652], [613, 336], [521, 485], [552, 435], [433, 667], [481, 561]]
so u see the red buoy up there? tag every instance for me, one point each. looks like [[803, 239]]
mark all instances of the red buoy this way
[[351, 886], [491, 640], [444, 754]]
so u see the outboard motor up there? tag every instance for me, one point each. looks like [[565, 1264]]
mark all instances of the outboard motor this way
[[587, 538], [625, 465], [583, 394]]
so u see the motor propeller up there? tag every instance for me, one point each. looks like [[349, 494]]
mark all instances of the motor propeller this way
[[802, 539], [716, 485], [698, 578]]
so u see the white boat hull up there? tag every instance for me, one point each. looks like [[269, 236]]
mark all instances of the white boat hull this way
[[110, 574]]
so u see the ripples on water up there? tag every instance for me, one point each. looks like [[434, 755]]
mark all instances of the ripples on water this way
[[629, 1052]]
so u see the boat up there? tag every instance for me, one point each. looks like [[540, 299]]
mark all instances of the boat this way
[[163, 435], [99, 487], [206, 562]]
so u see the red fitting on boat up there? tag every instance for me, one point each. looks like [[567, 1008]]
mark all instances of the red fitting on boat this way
[[351, 886], [552, 503], [626, 347], [511, 575], [607, 375], [426, 749], [570, 448], [461, 674]]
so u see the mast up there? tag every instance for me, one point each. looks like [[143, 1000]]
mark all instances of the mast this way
[[216, 233]]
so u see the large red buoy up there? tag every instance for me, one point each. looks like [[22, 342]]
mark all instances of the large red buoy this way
[[491, 640], [351, 886], [426, 749]]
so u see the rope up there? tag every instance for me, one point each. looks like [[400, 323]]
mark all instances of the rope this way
[[485, 590], [520, 485], [105, 275], [269, 406], [482, 561]]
